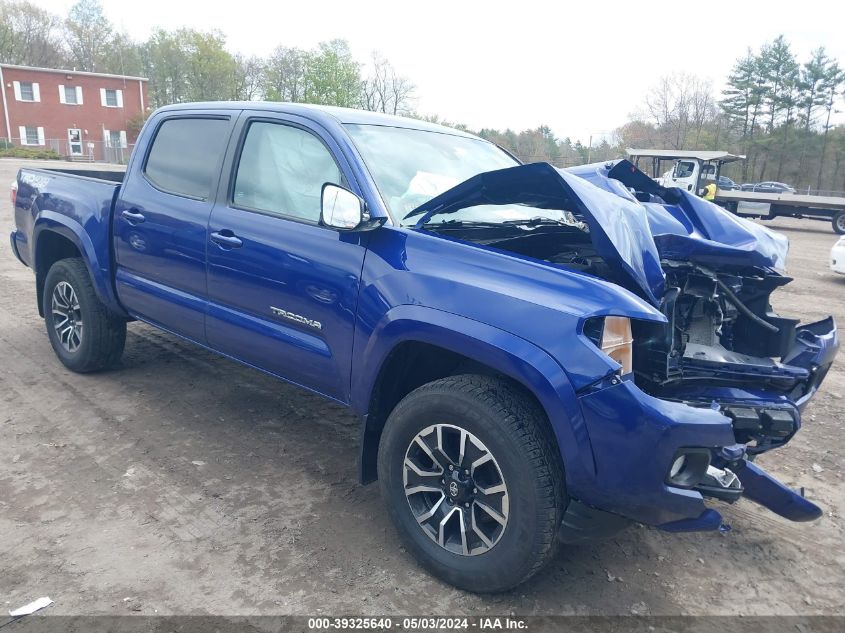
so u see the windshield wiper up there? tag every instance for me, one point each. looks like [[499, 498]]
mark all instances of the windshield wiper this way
[[529, 222], [536, 221], [457, 224]]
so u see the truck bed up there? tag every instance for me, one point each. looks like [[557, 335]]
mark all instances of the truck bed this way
[[111, 175], [73, 203]]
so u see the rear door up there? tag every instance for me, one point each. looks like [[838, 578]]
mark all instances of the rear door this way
[[162, 216], [282, 289]]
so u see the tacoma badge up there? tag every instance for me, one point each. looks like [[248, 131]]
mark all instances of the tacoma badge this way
[[298, 318]]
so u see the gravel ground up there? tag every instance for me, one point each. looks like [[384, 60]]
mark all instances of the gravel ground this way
[[184, 483]]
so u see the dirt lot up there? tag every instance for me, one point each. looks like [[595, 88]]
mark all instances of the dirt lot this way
[[183, 483]]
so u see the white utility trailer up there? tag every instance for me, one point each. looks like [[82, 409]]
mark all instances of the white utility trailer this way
[[694, 169]]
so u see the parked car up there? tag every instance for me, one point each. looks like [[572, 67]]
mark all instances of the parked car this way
[[725, 183], [837, 256], [768, 187], [534, 357]]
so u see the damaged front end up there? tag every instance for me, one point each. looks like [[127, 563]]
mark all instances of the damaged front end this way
[[722, 350]]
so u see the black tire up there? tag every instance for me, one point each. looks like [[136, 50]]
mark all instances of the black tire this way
[[103, 335], [838, 222], [517, 434]]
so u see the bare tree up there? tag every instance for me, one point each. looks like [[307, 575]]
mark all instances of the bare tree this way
[[248, 80], [386, 91], [679, 107]]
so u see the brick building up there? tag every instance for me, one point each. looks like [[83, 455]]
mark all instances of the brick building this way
[[80, 115]]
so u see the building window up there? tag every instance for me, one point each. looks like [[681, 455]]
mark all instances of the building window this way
[[111, 98], [71, 95], [26, 91], [115, 139], [31, 135]]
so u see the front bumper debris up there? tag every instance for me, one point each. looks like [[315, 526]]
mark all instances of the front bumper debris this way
[[635, 437], [767, 491]]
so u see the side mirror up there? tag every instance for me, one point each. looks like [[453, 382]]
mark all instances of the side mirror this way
[[341, 209]]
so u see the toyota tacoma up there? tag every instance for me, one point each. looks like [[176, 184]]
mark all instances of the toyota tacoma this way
[[538, 356]]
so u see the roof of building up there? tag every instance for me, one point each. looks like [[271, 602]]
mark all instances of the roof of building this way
[[322, 113], [64, 71], [670, 154]]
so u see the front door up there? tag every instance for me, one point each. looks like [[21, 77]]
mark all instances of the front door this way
[[74, 141], [161, 218], [685, 174], [283, 289]]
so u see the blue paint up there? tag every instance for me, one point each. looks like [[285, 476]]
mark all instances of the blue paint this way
[[764, 489], [689, 228], [372, 291]]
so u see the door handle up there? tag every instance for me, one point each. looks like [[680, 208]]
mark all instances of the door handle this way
[[132, 216], [225, 239]]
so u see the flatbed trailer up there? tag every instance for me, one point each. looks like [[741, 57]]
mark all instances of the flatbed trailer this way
[[693, 169], [768, 206]]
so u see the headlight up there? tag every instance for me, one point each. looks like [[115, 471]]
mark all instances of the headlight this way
[[618, 342]]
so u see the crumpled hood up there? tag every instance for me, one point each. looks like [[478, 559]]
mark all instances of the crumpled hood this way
[[619, 226], [686, 227], [631, 236]]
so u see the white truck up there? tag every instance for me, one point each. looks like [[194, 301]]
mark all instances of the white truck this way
[[694, 169]]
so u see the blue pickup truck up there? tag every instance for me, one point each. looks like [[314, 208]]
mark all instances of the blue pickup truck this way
[[538, 356]]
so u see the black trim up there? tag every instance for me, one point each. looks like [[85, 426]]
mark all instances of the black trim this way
[[583, 523], [693, 470]]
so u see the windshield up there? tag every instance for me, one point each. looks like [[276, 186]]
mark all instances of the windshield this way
[[410, 167]]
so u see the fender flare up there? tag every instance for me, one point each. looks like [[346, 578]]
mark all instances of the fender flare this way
[[69, 228], [504, 352]]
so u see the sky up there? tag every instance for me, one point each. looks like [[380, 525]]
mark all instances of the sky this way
[[580, 68]]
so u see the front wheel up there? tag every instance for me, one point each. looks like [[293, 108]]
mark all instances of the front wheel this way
[[473, 481], [84, 335], [839, 222]]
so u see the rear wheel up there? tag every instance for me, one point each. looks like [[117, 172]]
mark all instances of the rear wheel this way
[[84, 335], [473, 481], [839, 222]]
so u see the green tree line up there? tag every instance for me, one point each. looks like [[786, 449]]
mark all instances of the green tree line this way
[[189, 65], [776, 110]]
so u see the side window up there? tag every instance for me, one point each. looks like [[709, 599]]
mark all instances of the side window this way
[[684, 169], [185, 154], [282, 170]]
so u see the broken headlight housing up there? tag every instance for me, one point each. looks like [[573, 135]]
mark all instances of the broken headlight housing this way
[[612, 335]]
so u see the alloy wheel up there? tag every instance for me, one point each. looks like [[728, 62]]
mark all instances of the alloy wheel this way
[[67, 316], [455, 489]]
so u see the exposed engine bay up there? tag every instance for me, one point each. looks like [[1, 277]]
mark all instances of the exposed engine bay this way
[[714, 317], [710, 273], [721, 328], [721, 339]]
